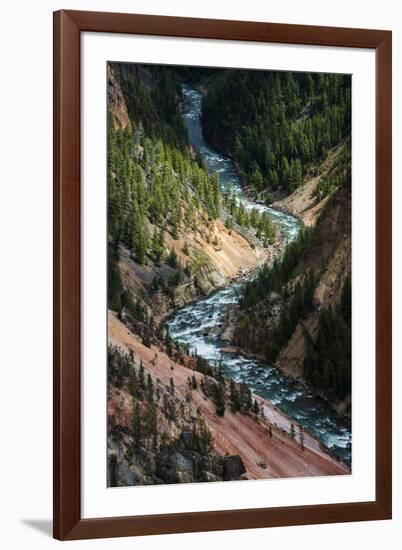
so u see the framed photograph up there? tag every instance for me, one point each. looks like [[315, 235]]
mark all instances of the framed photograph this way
[[222, 269]]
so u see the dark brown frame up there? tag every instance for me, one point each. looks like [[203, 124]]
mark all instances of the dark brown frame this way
[[68, 26]]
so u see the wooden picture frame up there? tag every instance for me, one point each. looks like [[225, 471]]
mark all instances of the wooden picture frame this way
[[68, 26]]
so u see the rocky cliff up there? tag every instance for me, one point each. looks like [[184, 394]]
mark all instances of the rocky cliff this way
[[116, 102], [181, 437], [327, 261], [195, 257], [173, 418], [306, 202]]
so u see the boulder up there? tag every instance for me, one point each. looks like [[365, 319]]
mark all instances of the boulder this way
[[218, 465], [124, 476], [183, 463], [233, 468]]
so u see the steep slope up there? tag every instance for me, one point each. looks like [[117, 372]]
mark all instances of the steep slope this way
[[307, 201], [116, 102], [186, 440], [329, 256], [167, 236], [285, 321], [224, 255], [276, 125], [170, 242], [173, 237]]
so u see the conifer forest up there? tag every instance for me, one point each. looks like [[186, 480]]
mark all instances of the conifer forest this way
[[229, 274]]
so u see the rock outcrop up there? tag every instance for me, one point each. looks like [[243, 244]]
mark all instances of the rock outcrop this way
[[328, 258], [194, 443], [116, 101]]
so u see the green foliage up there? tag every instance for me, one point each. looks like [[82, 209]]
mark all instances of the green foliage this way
[[220, 399], [154, 184], [329, 184], [327, 359], [137, 433], [277, 124], [245, 398], [115, 287], [199, 260], [186, 249], [202, 439], [119, 367], [261, 222], [297, 301], [256, 407], [192, 382], [175, 279], [234, 397], [158, 246], [295, 309], [324, 188], [150, 389], [134, 386], [154, 107], [150, 424], [172, 259], [202, 365], [147, 195], [241, 398], [133, 306], [274, 277]]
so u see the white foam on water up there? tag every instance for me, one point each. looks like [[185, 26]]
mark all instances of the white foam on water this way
[[191, 325]]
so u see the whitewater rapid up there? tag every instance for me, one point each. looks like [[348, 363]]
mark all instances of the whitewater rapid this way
[[194, 324]]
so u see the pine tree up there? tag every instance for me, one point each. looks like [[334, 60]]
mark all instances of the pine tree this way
[[186, 250], [137, 426], [141, 376], [151, 425], [150, 388], [301, 434], [220, 399], [172, 259], [134, 383], [256, 407], [234, 397]]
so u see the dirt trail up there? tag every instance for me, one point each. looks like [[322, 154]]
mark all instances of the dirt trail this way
[[263, 456]]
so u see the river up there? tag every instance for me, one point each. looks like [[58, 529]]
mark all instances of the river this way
[[193, 323]]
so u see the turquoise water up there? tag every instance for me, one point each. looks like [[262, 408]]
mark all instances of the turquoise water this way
[[191, 325]]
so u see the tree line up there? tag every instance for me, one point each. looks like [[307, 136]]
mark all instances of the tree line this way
[[156, 184], [273, 277], [151, 94], [340, 176], [327, 358], [293, 311], [276, 124], [153, 188], [266, 229]]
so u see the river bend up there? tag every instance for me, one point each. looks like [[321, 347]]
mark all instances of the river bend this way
[[193, 323]]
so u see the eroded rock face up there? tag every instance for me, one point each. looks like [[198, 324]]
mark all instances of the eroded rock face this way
[[179, 465], [186, 466], [328, 257], [120, 409], [116, 102]]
